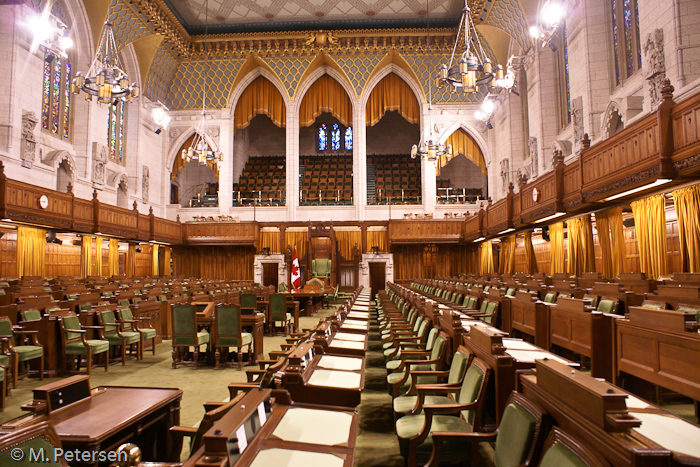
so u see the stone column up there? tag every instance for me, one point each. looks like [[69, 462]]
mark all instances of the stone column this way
[[359, 161], [226, 168], [429, 185], [292, 158]]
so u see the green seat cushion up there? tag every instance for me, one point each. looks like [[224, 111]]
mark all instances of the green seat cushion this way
[[561, 456], [39, 444], [28, 352], [515, 434], [410, 425], [96, 346], [2, 374], [148, 333], [5, 360], [606, 306], [202, 338], [230, 341], [404, 404], [32, 315], [392, 365], [130, 337]]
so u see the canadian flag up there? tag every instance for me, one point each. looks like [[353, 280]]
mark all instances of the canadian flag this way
[[296, 275]]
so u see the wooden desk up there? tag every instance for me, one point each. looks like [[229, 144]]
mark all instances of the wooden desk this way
[[308, 299], [255, 322], [531, 317], [111, 416]]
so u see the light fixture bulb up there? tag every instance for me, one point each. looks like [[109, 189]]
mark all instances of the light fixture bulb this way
[[552, 13], [158, 114], [66, 42], [488, 106], [535, 32]]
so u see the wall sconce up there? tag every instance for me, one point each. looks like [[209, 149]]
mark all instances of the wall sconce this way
[[375, 249]]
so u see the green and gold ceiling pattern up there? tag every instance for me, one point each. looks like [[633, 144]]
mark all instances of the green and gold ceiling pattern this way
[[173, 67]]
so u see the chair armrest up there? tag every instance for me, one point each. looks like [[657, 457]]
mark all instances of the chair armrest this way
[[183, 430], [447, 408], [235, 388], [419, 353], [208, 406], [93, 327], [25, 331]]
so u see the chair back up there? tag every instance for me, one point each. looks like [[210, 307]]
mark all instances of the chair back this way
[[278, 307], [248, 302], [5, 327], [30, 315], [108, 321], [35, 438], [473, 390], [125, 314], [321, 267], [607, 305], [520, 432], [283, 287], [562, 450], [438, 353], [184, 319], [460, 360], [228, 325], [210, 418], [432, 336], [490, 312], [550, 297], [71, 322]]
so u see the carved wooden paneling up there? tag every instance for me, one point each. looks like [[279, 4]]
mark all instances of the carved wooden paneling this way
[[474, 227], [546, 203], [425, 231], [62, 260], [144, 227], [240, 233], [516, 210], [498, 216], [83, 215], [572, 186], [627, 160], [167, 231], [117, 221], [685, 119], [8, 255], [22, 204]]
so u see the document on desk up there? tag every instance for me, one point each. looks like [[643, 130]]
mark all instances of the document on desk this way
[[346, 336], [340, 344], [335, 379], [332, 362], [314, 426], [288, 458]]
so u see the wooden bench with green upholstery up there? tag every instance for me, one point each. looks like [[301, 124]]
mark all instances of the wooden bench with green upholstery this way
[[229, 333], [129, 323], [461, 415], [76, 344], [113, 333], [23, 346]]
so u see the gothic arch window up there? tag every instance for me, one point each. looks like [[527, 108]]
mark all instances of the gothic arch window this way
[[322, 137], [335, 137], [348, 139], [115, 131], [626, 39], [56, 96]]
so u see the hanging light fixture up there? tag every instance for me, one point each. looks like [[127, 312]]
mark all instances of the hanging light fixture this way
[[551, 15], [472, 68], [159, 111], [106, 77], [429, 149], [200, 149]]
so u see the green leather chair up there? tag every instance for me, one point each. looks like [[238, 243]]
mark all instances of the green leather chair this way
[[607, 305], [117, 337], [278, 313], [283, 287], [185, 334], [126, 318], [414, 431], [518, 438], [22, 346], [229, 333], [321, 267], [562, 450], [37, 437], [550, 297], [76, 344], [399, 382], [415, 350]]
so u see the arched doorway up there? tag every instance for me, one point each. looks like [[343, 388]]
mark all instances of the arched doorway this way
[[461, 178]]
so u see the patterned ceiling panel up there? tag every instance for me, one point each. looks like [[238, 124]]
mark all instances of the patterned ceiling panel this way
[[128, 25], [161, 75], [508, 15], [289, 69], [358, 68], [260, 15], [186, 88]]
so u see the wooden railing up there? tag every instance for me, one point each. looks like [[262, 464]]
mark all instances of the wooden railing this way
[[425, 231], [224, 233]]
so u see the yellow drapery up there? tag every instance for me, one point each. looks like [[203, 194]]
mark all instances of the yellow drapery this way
[[98, 255], [408, 262], [346, 242], [325, 95], [298, 240], [507, 255], [86, 257], [465, 145], [650, 225], [154, 260], [166, 260], [179, 164], [261, 97], [31, 250], [530, 259], [556, 240], [113, 258], [486, 258], [612, 242], [377, 238], [580, 252], [687, 203], [270, 240], [131, 261], [392, 93]]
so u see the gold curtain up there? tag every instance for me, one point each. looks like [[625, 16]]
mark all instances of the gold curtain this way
[[391, 93], [86, 257], [131, 261], [650, 225], [486, 257], [465, 145], [113, 259], [260, 97], [687, 203], [179, 164], [377, 238], [154, 260], [580, 252], [612, 242], [166, 260], [98, 255], [530, 259], [507, 255], [556, 242], [31, 251], [346, 242], [270, 240], [298, 240], [408, 262], [325, 95]]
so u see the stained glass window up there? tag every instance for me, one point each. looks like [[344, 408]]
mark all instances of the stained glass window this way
[[348, 139], [322, 138], [335, 138], [55, 99], [626, 38], [115, 132]]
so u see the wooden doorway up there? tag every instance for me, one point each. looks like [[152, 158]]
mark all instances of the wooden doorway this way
[[377, 276], [270, 276]]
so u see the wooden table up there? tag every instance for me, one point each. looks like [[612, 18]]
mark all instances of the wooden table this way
[[308, 299], [108, 417], [255, 322]]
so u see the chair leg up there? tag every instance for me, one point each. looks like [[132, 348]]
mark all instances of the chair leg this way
[[41, 367], [153, 345], [123, 350], [88, 360], [15, 370], [2, 393], [217, 356], [106, 361], [195, 355], [240, 358], [174, 366]]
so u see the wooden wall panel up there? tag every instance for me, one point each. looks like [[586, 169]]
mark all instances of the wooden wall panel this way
[[8, 255], [62, 260], [214, 262]]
